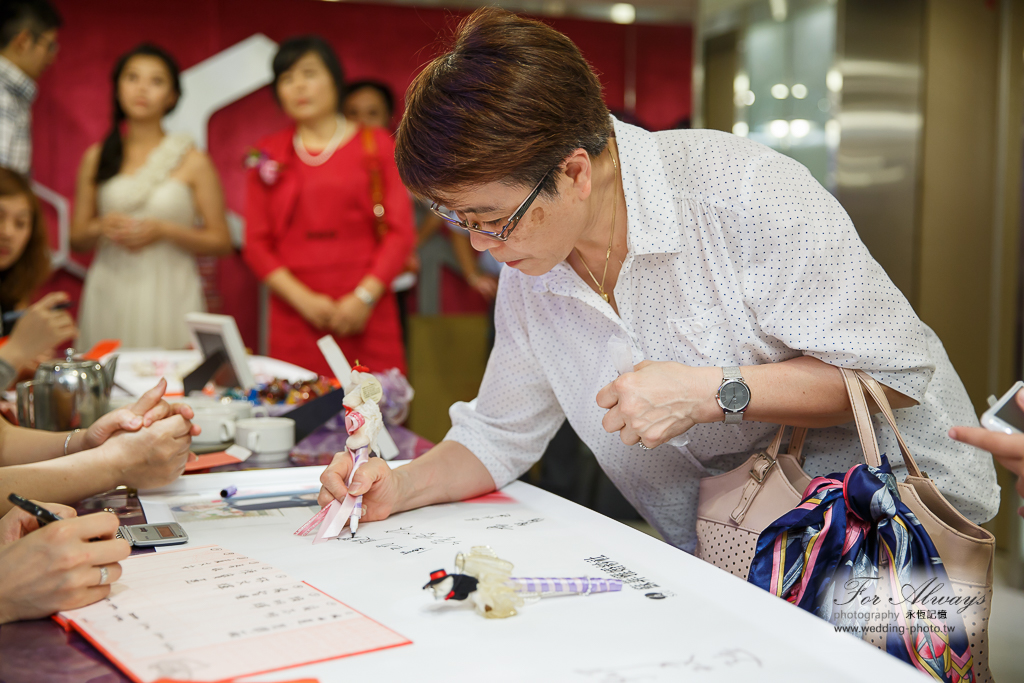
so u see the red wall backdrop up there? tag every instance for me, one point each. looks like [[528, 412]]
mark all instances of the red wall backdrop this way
[[383, 42]]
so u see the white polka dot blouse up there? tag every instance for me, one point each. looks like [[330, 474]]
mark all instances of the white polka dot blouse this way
[[736, 256]]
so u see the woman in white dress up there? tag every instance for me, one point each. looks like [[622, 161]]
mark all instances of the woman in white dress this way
[[149, 203]]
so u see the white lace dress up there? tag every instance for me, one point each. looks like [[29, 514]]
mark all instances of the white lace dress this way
[[142, 297]]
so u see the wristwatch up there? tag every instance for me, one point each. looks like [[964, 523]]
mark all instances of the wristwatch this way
[[733, 395], [363, 294]]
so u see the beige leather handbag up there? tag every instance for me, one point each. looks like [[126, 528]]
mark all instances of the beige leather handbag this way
[[736, 506]]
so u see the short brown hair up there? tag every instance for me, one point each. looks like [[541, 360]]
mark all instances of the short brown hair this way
[[511, 100], [32, 268]]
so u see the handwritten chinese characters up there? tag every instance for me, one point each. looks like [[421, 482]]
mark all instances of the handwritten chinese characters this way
[[212, 613], [418, 539], [735, 663]]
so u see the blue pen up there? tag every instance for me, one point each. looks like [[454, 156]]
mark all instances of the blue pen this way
[[266, 494], [13, 316]]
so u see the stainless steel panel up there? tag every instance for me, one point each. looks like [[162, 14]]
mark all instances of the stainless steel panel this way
[[877, 165]]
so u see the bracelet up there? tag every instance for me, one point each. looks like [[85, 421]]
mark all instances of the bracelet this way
[[363, 294], [67, 441]]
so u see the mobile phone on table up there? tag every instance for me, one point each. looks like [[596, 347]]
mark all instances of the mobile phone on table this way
[[150, 535], [1005, 416]]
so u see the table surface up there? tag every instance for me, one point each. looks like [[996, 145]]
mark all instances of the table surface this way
[[709, 626], [138, 370]]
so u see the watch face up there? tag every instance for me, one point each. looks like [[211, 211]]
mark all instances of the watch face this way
[[734, 396]]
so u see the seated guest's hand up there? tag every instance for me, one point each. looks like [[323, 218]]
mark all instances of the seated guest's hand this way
[[148, 409], [1008, 449], [658, 401], [39, 330], [152, 456], [58, 568], [374, 481], [17, 522]]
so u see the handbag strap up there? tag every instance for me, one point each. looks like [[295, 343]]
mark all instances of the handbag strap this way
[[376, 181], [878, 396], [796, 443], [856, 382], [776, 445]]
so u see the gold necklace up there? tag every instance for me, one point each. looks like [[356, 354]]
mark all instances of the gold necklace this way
[[611, 238]]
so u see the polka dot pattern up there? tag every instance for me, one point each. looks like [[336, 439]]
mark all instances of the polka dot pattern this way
[[730, 549], [737, 256]]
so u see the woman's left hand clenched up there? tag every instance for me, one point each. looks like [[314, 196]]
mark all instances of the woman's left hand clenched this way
[[659, 401]]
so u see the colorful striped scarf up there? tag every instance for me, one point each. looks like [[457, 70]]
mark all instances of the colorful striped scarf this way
[[849, 533]]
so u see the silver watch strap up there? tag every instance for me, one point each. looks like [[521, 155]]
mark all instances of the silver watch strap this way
[[363, 294], [732, 418]]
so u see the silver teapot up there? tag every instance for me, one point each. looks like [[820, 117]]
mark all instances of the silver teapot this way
[[66, 394]]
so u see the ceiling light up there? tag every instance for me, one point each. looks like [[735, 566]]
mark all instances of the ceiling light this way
[[799, 128], [779, 128], [623, 13], [834, 80], [779, 9], [832, 133]]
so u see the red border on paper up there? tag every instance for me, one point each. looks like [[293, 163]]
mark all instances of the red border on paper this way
[[70, 624]]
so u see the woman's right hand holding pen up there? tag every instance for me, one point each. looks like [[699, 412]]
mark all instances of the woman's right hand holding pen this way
[[18, 523], [377, 483], [57, 567]]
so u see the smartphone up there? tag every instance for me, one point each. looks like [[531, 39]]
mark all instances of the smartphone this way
[[1005, 416], [150, 535]]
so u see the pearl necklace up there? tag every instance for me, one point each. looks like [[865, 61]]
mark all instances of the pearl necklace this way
[[328, 151]]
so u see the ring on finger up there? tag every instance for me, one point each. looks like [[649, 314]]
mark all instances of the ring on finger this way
[[104, 575], [640, 443]]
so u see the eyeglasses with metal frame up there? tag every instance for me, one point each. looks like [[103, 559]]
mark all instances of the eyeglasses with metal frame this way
[[502, 235]]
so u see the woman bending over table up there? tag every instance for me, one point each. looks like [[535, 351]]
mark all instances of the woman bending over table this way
[[717, 262]]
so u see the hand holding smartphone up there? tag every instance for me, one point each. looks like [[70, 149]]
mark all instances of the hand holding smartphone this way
[[1006, 415]]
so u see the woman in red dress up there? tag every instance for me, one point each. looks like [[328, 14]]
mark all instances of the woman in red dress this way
[[313, 234]]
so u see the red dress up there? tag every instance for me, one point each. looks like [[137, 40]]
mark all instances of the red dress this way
[[318, 222]]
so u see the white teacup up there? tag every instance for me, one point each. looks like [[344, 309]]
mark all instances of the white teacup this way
[[218, 424], [243, 410], [269, 438]]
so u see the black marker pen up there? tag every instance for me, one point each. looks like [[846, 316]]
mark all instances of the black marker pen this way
[[43, 515]]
